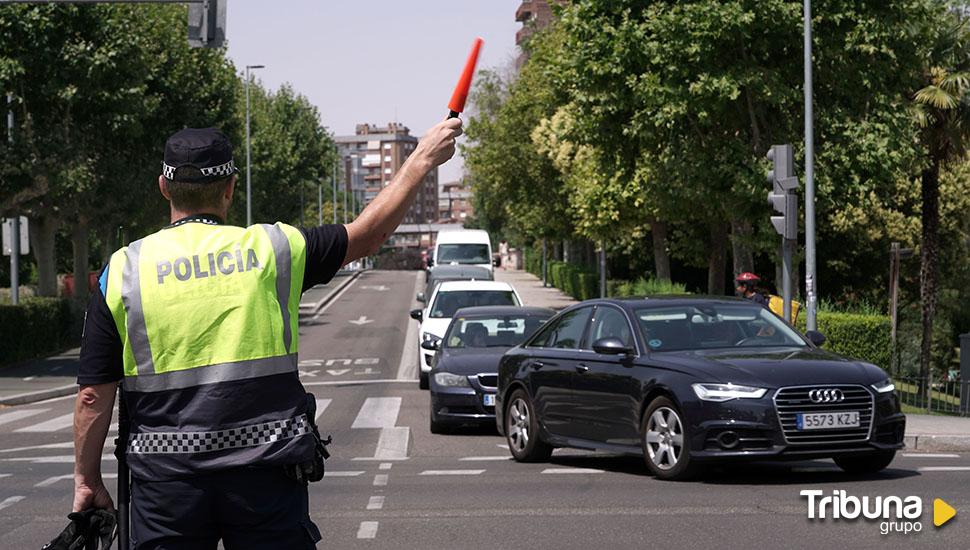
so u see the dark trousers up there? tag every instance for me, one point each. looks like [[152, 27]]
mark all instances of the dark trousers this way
[[245, 507]]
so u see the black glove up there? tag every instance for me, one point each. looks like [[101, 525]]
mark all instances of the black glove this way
[[86, 531]]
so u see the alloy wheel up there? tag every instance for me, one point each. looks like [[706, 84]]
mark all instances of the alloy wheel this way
[[518, 425], [665, 438]]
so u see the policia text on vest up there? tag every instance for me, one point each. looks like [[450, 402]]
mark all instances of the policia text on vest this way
[[224, 262]]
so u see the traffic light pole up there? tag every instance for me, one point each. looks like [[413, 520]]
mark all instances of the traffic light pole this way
[[15, 224], [811, 289], [786, 271]]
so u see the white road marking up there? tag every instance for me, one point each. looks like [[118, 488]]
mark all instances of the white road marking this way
[[375, 502], [572, 471], [52, 425], [28, 378], [322, 405], [337, 372], [484, 458], [62, 459], [10, 501], [930, 455], [452, 472], [502, 446], [408, 367], [65, 445], [360, 382], [54, 479], [5, 475], [378, 412], [374, 459], [380, 480], [393, 443], [944, 469], [367, 530], [334, 300], [378, 288], [362, 320], [15, 415], [345, 473]]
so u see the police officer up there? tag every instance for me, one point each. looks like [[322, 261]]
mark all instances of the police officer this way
[[746, 287], [199, 322]]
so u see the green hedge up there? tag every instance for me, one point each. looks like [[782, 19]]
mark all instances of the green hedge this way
[[36, 327], [861, 336]]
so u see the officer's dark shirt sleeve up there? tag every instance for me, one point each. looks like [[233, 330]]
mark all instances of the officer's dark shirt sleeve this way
[[326, 248], [101, 351]]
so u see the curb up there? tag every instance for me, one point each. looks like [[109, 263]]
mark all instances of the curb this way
[[919, 442], [61, 391], [333, 295], [33, 397]]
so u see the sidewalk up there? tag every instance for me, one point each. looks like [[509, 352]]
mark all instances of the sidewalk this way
[[937, 433], [530, 289], [38, 379]]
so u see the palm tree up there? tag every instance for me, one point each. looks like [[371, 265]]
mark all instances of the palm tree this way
[[942, 109]]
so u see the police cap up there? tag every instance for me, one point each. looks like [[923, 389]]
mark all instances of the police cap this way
[[206, 149]]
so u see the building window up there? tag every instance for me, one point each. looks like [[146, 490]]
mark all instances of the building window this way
[[387, 170], [387, 158], [387, 146]]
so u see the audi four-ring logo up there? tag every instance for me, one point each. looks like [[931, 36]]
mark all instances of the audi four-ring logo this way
[[826, 396]]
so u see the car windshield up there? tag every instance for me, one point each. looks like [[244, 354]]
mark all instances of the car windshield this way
[[463, 254], [503, 331], [710, 326], [448, 302]]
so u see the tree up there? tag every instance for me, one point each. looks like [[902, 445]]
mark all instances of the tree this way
[[942, 109]]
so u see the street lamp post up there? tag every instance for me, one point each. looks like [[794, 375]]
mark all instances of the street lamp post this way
[[811, 280], [249, 187]]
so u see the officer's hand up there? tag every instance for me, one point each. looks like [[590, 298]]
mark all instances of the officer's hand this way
[[438, 144], [87, 496]]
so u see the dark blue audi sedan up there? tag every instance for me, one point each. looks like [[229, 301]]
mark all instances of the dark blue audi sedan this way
[[686, 381], [464, 371]]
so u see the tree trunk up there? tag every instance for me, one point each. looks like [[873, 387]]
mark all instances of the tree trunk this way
[[929, 254], [661, 258], [717, 260], [79, 240], [43, 229], [110, 240], [741, 252]]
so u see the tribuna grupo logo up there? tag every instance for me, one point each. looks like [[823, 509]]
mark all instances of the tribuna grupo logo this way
[[896, 514]]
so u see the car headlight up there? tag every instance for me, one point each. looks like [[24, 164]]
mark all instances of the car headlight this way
[[726, 392], [885, 386], [449, 380], [428, 337]]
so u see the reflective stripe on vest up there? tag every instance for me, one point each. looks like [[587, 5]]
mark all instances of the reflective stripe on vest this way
[[212, 280], [232, 438]]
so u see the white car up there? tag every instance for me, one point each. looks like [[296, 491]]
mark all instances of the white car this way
[[447, 298]]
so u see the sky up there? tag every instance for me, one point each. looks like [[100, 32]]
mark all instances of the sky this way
[[376, 61]]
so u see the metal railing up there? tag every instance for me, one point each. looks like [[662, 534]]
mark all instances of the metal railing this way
[[929, 396]]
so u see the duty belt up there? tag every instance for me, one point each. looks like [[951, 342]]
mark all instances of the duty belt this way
[[200, 442]]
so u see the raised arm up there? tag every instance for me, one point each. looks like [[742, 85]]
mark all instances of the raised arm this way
[[367, 233]]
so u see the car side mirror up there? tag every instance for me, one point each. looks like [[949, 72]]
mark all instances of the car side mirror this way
[[429, 345], [416, 314], [611, 346], [421, 297], [815, 337]]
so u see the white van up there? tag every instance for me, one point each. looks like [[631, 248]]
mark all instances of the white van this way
[[463, 247]]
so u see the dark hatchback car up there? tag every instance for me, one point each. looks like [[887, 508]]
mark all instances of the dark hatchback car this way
[[464, 372], [686, 381]]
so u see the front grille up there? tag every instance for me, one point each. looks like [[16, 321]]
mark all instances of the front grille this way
[[489, 381], [793, 400]]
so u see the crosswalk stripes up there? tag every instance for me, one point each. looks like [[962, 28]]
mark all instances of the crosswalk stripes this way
[[15, 415], [378, 412], [52, 425]]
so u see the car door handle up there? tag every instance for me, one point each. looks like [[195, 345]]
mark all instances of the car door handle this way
[[536, 365], [582, 368]]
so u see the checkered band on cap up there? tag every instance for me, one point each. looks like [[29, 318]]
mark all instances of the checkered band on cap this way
[[222, 170], [202, 442]]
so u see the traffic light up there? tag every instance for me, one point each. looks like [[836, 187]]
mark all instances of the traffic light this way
[[207, 24], [784, 185]]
